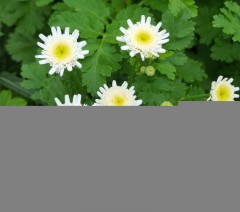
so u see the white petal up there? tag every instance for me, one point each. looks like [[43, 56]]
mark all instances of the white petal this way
[[41, 45], [123, 30], [102, 90], [143, 19], [230, 80], [58, 102], [106, 87], [75, 34], [125, 85], [132, 53], [59, 31], [125, 48], [61, 72], [220, 78], [158, 26], [148, 22], [130, 23], [142, 56], [67, 99], [84, 52], [139, 102], [42, 62], [41, 56], [43, 37], [79, 65], [67, 31], [114, 83], [69, 68], [82, 44], [121, 39], [52, 71], [99, 94]]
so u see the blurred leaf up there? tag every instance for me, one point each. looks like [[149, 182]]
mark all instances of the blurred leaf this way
[[6, 99]]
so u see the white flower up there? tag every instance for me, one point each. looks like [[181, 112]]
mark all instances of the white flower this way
[[61, 51], [144, 38], [222, 90], [76, 101], [117, 96]]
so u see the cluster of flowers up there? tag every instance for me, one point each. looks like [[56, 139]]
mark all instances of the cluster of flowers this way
[[62, 51]]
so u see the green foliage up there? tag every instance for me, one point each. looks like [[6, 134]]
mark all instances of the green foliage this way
[[100, 65], [181, 29], [21, 47], [204, 43], [229, 19], [6, 99]]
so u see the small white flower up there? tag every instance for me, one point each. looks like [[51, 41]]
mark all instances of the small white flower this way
[[61, 51], [222, 90], [117, 96], [144, 38], [76, 101]]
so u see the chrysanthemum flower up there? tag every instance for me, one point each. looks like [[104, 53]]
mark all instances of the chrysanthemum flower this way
[[76, 101], [144, 38], [61, 51], [223, 90], [117, 96]]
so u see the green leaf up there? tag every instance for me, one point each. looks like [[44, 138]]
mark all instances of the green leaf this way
[[192, 71], [52, 87], [176, 6], [167, 69], [41, 3], [25, 14], [157, 5], [229, 20], [225, 51], [97, 9], [89, 26], [196, 94], [21, 47], [104, 61], [152, 90], [204, 25], [34, 76], [178, 58], [6, 99], [181, 30]]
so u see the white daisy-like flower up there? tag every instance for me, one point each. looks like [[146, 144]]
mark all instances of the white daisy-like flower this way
[[76, 101], [223, 90], [117, 96], [61, 50], [144, 38]]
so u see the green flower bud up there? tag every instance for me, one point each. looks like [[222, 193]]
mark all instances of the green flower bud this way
[[143, 69], [150, 71], [166, 104]]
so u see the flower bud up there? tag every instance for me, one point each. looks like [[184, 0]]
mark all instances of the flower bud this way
[[143, 69], [166, 104], [150, 71]]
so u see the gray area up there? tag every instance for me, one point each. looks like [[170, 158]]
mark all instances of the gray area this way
[[80, 159]]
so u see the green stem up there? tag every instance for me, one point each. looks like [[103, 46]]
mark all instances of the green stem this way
[[196, 97]]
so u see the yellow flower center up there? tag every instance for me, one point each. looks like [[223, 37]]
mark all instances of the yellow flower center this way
[[119, 100], [224, 93], [61, 51], [143, 37]]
